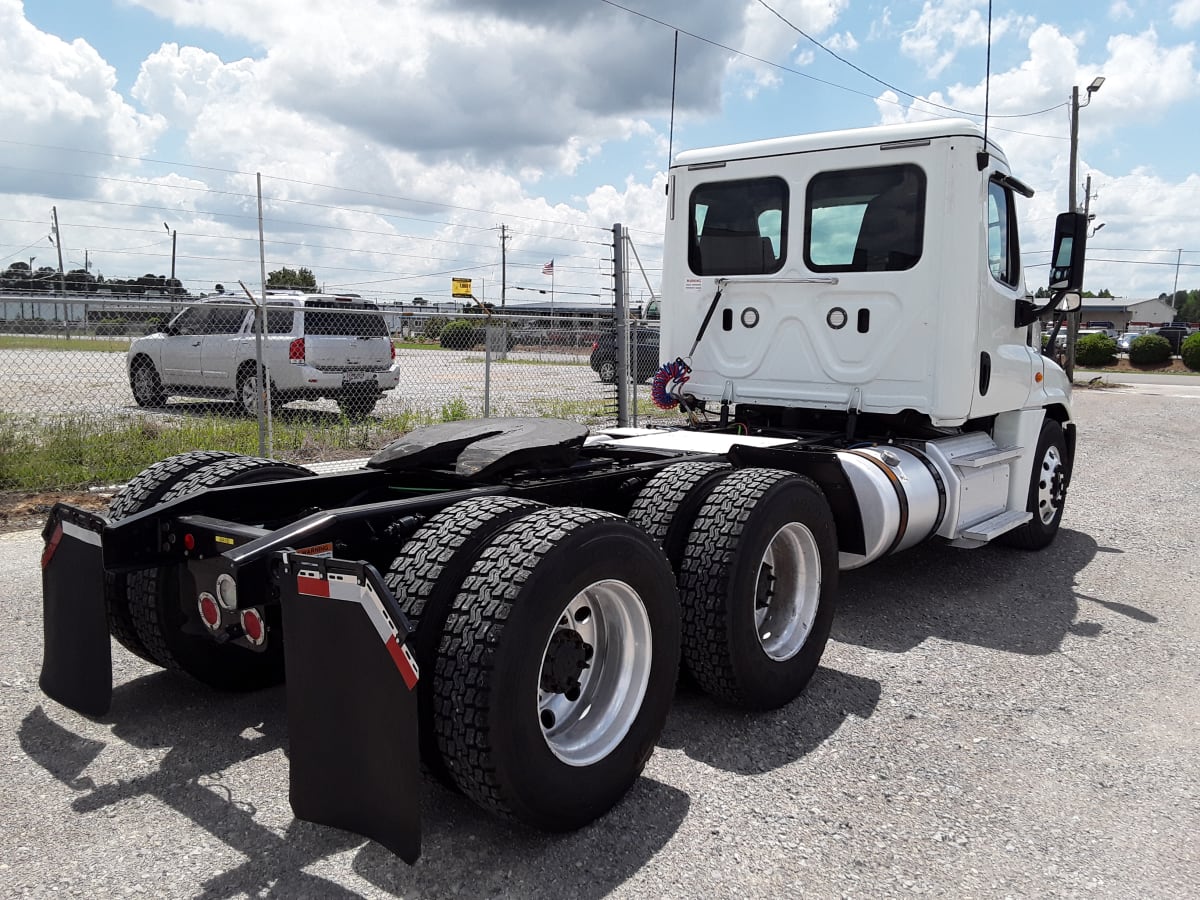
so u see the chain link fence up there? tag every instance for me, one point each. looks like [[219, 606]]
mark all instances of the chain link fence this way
[[94, 389]]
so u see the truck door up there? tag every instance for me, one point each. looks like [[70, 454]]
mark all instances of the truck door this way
[[1005, 363]]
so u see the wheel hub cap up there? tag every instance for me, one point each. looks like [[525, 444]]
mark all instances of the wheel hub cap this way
[[1051, 485], [595, 668]]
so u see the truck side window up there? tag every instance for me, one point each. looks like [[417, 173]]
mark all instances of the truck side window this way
[[738, 227], [865, 220], [1004, 258]]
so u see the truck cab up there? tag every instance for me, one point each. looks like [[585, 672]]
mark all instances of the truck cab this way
[[874, 269]]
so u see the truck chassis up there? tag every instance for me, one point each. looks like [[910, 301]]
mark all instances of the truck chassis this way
[[507, 600]]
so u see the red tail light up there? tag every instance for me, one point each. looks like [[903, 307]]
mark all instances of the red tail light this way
[[393, 346], [296, 350], [595, 346]]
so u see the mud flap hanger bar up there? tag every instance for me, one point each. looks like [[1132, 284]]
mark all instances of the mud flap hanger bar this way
[[351, 701]]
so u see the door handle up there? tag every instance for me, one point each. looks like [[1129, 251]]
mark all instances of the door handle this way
[[197, 344]]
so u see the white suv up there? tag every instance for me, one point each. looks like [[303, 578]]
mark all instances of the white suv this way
[[315, 345]]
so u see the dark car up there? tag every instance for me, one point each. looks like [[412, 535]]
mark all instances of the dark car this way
[[1176, 334], [643, 352]]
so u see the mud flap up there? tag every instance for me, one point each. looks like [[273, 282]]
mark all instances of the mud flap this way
[[77, 653], [351, 701]]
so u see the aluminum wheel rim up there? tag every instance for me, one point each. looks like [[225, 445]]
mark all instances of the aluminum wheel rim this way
[[143, 383], [1050, 485], [787, 591], [610, 618], [250, 395]]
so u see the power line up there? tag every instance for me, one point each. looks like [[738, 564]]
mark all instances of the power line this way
[[892, 87], [833, 84]]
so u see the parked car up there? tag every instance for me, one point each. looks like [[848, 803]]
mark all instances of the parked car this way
[[1061, 341], [1176, 334], [315, 345], [643, 352], [1126, 339]]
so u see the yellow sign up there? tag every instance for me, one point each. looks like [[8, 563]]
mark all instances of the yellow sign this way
[[460, 287]]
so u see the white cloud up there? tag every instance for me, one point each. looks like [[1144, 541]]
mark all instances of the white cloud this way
[[1119, 11], [946, 27], [1185, 13], [842, 42], [60, 95]]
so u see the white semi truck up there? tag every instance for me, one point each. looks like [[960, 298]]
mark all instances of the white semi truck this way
[[510, 601]]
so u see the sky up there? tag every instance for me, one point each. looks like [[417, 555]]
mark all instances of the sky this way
[[397, 142]]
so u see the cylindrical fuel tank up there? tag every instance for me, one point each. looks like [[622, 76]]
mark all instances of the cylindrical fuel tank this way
[[901, 496]]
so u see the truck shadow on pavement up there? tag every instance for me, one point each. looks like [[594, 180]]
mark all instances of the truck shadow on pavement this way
[[754, 743], [993, 597], [206, 738]]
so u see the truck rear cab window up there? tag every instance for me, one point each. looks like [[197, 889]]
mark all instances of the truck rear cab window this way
[[865, 220], [738, 227]]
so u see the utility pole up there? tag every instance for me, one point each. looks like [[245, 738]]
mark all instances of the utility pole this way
[[503, 264], [1073, 318], [1175, 290], [62, 284]]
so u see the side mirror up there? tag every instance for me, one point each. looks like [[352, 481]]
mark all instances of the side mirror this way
[[1070, 301], [1070, 246], [1066, 270]]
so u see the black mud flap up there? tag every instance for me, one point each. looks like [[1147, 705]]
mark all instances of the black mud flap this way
[[351, 701], [77, 653]]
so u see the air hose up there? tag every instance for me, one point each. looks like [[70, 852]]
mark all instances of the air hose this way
[[667, 382]]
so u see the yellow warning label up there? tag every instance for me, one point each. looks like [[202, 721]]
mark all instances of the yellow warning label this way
[[460, 287], [221, 539]]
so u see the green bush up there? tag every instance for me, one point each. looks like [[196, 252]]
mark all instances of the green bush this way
[[1096, 350], [433, 327], [1190, 351], [460, 335], [111, 326], [1149, 350]]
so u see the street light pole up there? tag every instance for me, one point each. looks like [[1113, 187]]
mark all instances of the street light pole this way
[[1073, 318]]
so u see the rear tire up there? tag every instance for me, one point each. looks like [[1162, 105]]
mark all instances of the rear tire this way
[[426, 577], [170, 629], [248, 394], [140, 493], [757, 587], [666, 507], [1047, 491], [145, 384], [557, 667]]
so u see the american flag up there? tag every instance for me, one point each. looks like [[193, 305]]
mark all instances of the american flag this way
[[548, 268]]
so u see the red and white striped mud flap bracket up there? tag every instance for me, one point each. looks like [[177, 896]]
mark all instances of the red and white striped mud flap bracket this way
[[352, 701], [77, 653]]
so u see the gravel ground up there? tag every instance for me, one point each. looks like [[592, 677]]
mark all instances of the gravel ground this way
[[985, 723]]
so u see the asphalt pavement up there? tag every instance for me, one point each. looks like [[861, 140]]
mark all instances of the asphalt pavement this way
[[985, 723]]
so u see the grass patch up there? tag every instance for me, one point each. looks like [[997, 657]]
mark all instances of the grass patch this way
[[79, 452], [79, 342]]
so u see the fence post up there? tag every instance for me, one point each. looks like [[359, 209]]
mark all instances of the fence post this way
[[488, 331], [621, 313]]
